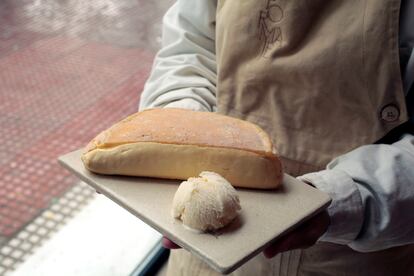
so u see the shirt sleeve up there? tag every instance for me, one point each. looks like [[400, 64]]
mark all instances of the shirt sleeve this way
[[372, 191], [184, 70]]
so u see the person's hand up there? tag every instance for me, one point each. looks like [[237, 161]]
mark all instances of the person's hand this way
[[169, 244], [304, 236]]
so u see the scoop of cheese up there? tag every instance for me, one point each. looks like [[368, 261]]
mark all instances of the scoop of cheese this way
[[205, 203]]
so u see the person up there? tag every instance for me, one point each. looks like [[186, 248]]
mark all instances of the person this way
[[332, 84]]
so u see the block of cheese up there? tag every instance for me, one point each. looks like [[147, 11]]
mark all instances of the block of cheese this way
[[178, 144]]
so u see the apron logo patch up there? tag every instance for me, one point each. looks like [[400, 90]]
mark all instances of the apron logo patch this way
[[270, 34]]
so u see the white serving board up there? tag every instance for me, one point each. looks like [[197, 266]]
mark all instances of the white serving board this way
[[265, 215]]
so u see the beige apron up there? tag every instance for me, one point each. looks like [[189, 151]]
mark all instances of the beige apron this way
[[322, 78]]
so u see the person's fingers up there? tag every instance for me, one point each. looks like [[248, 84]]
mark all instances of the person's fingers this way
[[275, 248], [304, 236], [169, 244]]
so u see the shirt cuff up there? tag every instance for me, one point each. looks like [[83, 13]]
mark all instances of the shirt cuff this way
[[346, 208], [190, 104]]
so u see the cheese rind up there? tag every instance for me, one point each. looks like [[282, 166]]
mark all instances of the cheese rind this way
[[184, 127]]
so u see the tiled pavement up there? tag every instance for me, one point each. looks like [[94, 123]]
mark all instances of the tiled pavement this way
[[54, 103], [68, 69], [24, 243]]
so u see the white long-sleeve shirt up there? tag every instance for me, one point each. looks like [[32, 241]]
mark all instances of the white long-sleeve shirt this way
[[372, 187]]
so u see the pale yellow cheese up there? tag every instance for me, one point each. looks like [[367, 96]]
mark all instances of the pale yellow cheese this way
[[178, 144]]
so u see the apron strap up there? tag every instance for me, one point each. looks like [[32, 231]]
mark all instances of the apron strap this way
[[409, 74]]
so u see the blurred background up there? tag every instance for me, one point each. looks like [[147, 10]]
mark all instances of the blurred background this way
[[68, 69]]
